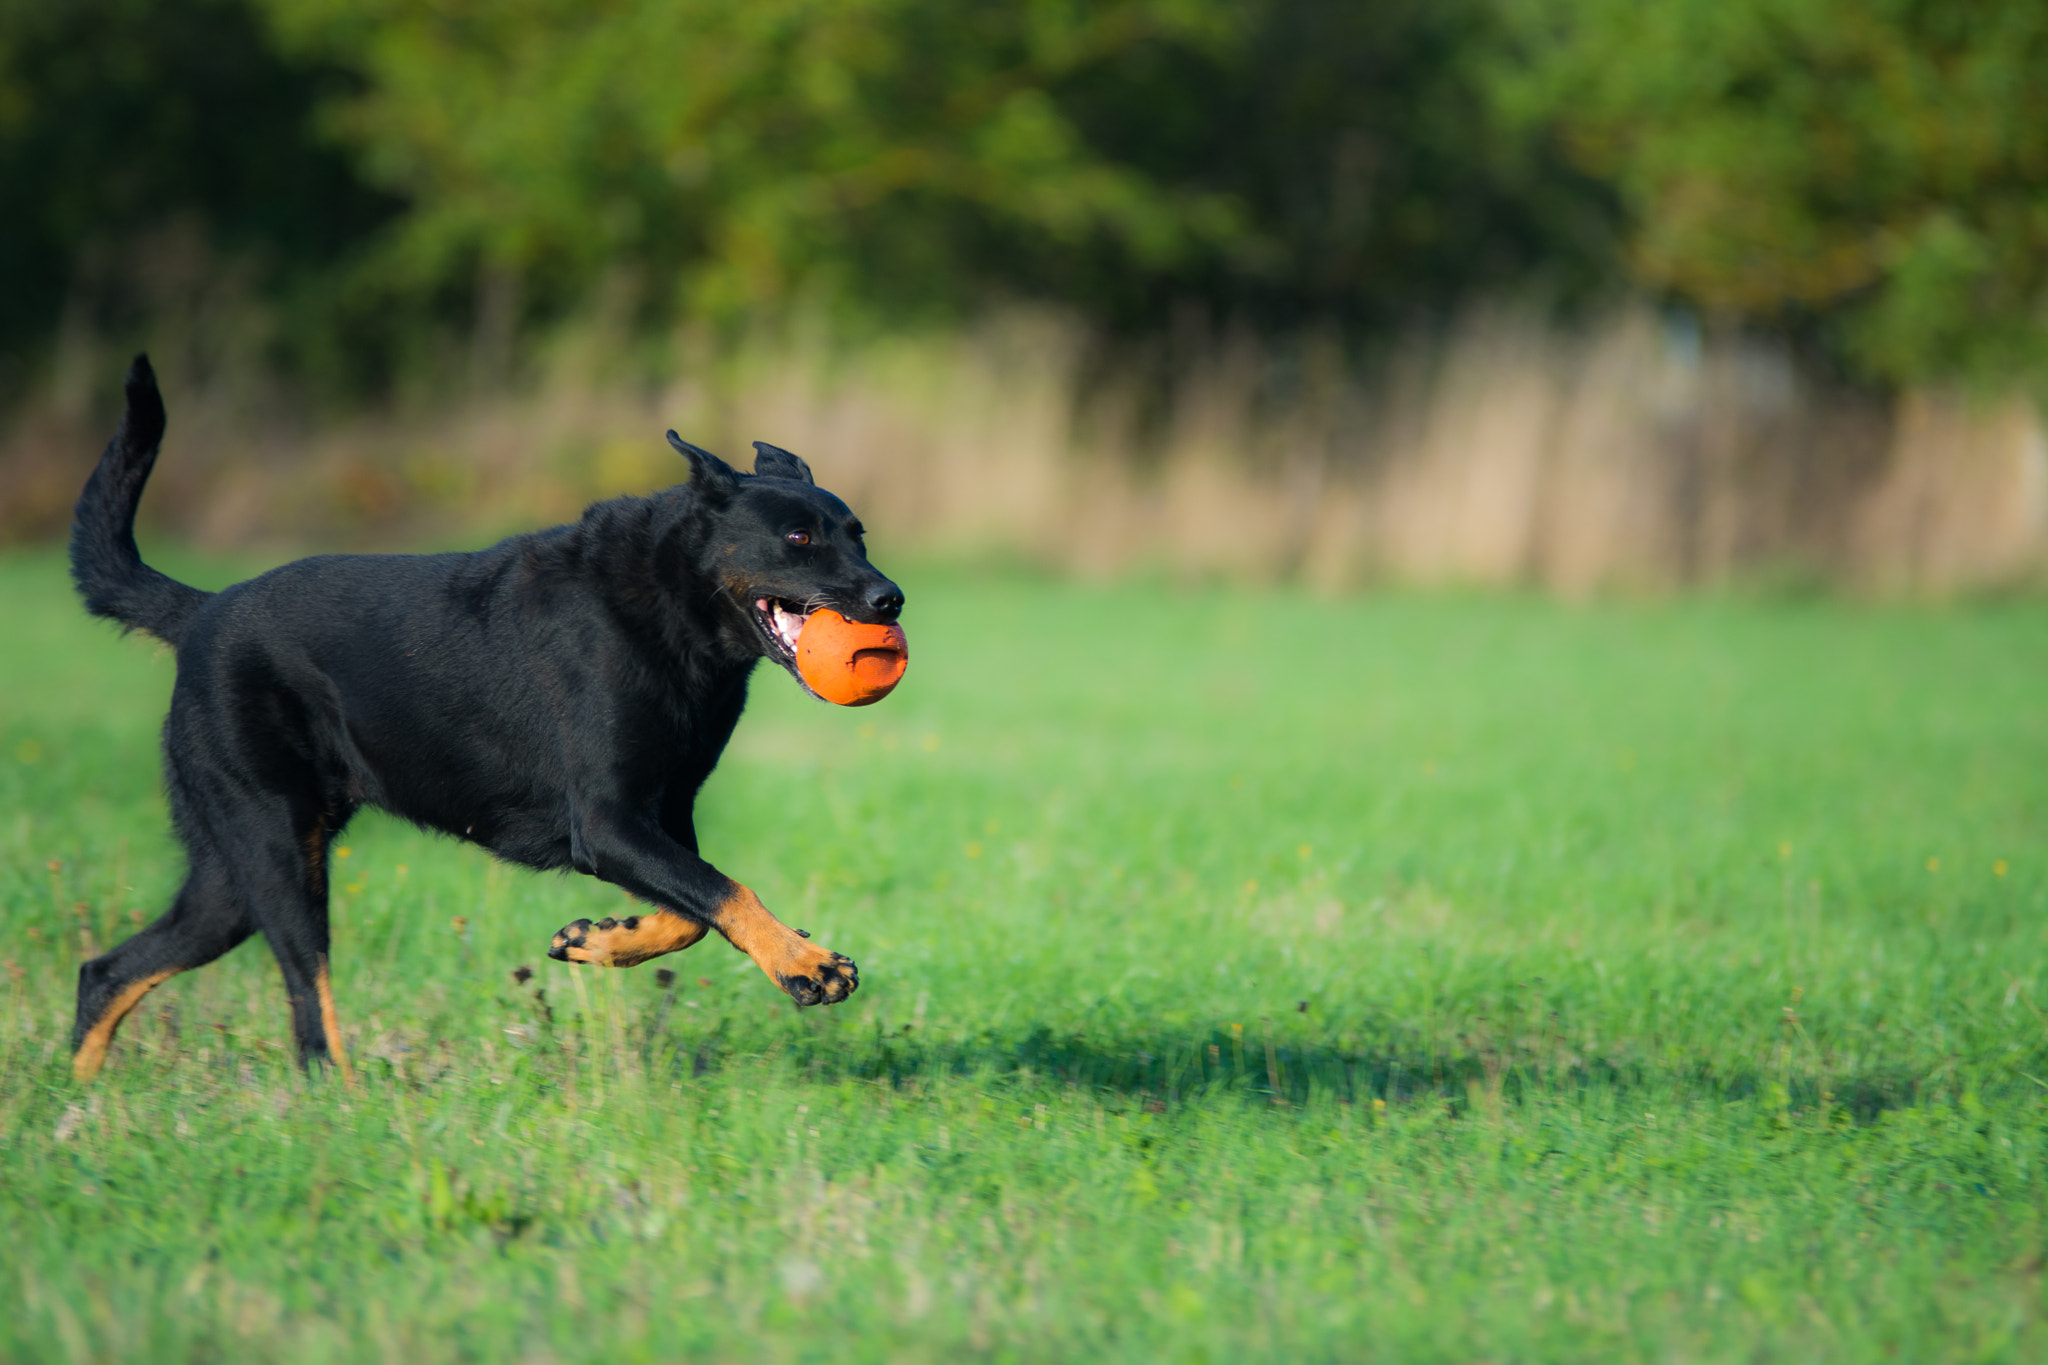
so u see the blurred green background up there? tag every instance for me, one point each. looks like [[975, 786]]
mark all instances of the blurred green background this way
[[1869, 172], [1818, 227]]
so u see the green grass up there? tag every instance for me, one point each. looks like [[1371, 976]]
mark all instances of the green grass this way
[[1244, 977]]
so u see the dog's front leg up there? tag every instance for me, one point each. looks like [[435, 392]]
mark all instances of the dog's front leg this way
[[812, 975], [639, 856]]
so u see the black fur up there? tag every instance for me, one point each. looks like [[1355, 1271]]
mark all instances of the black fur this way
[[558, 698], [104, 562]]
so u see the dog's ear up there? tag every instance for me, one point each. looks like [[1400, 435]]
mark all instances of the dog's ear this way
[[707, 471], [776, 463]]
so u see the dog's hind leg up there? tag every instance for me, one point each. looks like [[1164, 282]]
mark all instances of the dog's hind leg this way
[[204, 921], [626, 942], [282, 871]]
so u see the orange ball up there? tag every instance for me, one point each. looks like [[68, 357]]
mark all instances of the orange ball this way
[[849, 663]]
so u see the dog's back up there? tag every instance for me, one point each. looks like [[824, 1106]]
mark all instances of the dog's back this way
[[407, 681]]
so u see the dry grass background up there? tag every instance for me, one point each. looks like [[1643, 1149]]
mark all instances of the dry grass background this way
[[1628, 452]]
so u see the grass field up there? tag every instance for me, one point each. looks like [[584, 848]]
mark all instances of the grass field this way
[[1244, 977]]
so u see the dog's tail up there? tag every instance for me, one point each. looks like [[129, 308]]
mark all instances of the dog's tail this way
[[105, 564]]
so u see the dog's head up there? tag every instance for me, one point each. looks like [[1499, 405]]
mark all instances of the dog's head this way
[[780, 547]]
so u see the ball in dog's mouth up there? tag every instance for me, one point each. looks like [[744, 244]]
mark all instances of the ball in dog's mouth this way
[[849, 663]]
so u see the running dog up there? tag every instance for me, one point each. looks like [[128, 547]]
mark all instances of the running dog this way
[[558, 698]]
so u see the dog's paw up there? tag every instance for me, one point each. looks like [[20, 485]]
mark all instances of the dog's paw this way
[[817, 976], [569, 941], [625, 942]]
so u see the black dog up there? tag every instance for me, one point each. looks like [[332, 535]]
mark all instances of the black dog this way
[[558, 698]]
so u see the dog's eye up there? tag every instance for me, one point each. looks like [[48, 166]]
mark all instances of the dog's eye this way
[[798, 537]]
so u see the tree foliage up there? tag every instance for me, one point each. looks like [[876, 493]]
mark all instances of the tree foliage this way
[[1870, 171], [1285, 158], [735, 152], [1881, 165], [121, 118]]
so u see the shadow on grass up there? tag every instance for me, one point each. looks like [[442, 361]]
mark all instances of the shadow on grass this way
[[1158, 1069]]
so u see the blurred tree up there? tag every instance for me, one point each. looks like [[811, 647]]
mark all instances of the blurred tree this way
[[1879, 167], [1873, 169], [122, 118], [1282, 159], [745, 152], [1376, 179]]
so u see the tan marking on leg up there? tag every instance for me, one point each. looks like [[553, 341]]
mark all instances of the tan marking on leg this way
[[330, 1025], [812, 975], [92, 1049], [627, 942]]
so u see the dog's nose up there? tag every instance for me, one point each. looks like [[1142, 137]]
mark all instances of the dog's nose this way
[[885, 600]]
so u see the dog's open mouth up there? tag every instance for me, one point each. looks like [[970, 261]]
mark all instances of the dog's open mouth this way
[[781, 623]]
